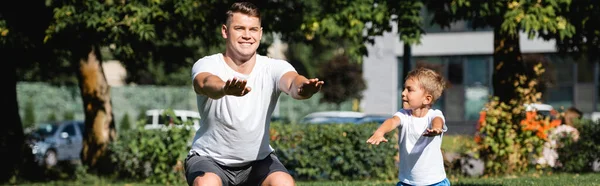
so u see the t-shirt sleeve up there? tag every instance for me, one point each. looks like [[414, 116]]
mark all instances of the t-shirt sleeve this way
[[403, 115], [203, 65], [439, 113], [279, 68]]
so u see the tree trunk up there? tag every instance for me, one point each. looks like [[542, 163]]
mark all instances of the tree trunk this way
[[12, 138], [508, 62], [99, 123], [17, 161]]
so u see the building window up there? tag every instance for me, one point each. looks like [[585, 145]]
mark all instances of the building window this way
[[477, 85]]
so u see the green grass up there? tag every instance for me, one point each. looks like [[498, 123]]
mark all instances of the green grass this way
[[533, 179], [590, 179]]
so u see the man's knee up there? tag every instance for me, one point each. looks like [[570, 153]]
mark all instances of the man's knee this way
[[279, 179], [208, 179]]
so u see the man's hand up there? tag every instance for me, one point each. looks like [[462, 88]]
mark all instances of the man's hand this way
[[310, 87], [236, 87]]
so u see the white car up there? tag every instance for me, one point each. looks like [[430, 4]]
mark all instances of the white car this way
[[542, 109], [332, 117], [157, 120]]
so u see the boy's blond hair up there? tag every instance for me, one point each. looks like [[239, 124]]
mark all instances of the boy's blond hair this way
[[432, 82]]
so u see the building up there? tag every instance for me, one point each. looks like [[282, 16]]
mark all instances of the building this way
[[465, 58]]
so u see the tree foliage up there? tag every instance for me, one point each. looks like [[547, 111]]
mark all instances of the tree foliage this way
[[585, 41], [508, 18], [343, 78]]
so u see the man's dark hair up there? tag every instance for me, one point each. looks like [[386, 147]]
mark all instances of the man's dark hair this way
[[246, 8]]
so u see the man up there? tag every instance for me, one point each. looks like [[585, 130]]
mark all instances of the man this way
[[236, 95]]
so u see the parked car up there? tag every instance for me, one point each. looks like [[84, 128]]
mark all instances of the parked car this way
[[157, 119], [55, 142], [328, 117], [373, 118]]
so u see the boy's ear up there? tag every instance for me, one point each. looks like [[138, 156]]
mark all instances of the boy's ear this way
[[428, 99]]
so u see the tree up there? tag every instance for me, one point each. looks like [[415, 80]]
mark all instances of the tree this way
[[585, 42], [17, 43], [508, 19], [344, 79], [350, 24]]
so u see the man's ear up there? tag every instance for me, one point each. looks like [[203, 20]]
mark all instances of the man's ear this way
[[224, 31]]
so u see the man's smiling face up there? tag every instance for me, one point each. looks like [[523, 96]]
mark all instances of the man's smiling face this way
[[243, 34]]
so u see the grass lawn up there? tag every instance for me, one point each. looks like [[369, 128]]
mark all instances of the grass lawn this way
[[591, 179], [552, 179]]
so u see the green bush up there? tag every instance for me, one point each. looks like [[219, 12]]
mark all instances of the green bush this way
[[310, 152], [29, 116], [334, 152], [155, 156], [125, 123], [68, 115], [52, 117], [577, 156], [508, 137]]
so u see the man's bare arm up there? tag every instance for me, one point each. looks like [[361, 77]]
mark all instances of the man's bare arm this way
[[212, 86], [298, 86]]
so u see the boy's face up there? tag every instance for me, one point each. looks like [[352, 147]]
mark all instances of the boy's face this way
[[569, 117], [243, 34], [414, 96]]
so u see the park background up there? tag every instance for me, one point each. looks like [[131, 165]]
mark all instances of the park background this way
[[146, 48]]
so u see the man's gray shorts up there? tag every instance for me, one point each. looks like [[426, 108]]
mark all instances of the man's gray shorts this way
[[251, 174]]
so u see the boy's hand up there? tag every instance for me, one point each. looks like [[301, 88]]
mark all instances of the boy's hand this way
[[376, 138], [432, 132]]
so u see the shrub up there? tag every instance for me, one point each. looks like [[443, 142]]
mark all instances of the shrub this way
[[154, 156], [508, 137], [68, 115], [29, 117], [309, 152], [578, 156], [125, 123], [334, 152]]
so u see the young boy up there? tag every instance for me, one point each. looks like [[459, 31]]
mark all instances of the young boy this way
[[420, 130]]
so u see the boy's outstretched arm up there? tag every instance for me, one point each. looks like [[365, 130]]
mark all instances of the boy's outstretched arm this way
[[437, 125], [387, 126]]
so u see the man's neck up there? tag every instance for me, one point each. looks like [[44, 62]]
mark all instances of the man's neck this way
[[241, 65]]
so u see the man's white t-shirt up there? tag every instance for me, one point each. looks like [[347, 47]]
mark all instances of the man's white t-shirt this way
[[421, 161], [235, 130]]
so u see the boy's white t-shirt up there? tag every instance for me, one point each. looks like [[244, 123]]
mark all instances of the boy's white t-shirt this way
[[235, 130], [421, 161]]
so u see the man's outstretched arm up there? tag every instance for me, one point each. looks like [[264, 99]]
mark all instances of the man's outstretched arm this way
[[212, 86], [298, 86]]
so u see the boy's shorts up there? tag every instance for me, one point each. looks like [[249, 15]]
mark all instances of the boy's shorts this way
[[252, 174], [444, 182]]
